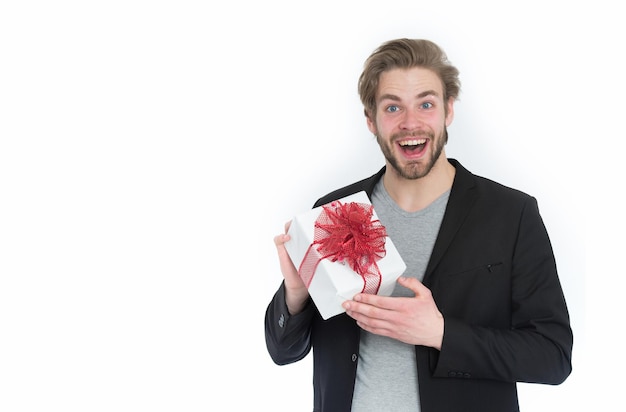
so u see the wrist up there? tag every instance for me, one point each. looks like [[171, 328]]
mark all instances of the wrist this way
[[296, 300]]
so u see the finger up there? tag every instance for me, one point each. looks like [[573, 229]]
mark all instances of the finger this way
[[415, 285], [371, 306], [382, 302], [361, 312], [368, 317], [280, 240]]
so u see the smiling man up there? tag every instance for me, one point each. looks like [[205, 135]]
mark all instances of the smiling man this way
[[409, 121], [480, 306]]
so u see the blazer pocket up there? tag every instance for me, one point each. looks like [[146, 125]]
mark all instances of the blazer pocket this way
[[485, 269], [480, 295]]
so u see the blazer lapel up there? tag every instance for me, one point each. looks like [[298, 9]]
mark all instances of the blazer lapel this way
[[461, 200]]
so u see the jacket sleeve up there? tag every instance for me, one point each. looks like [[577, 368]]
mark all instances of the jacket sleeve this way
[[288, 338], [534, 343]]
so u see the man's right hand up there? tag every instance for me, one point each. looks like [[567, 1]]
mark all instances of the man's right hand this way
[[296, 293]]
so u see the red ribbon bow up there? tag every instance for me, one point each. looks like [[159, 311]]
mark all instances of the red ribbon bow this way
[[346, 233]]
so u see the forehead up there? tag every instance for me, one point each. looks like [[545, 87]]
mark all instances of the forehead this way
[[411, 82]]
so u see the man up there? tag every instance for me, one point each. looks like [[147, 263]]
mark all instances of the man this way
[[479, 307]]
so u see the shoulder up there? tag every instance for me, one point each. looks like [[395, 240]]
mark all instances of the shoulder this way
[[466, 180], [366, 185]]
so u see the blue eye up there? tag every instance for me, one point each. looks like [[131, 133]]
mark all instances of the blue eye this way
[[392, 109], [426, 105]]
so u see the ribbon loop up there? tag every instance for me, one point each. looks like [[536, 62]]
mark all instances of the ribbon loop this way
[[345, 232]]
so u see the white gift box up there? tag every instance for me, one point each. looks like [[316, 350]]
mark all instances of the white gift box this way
[[335, 282]]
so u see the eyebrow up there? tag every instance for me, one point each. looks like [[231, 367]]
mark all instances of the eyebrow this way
[[419, 96], [428, 93]]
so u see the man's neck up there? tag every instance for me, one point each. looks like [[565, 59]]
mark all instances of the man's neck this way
[[414, 195]]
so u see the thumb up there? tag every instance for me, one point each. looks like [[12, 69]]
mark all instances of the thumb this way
[[415, 285]]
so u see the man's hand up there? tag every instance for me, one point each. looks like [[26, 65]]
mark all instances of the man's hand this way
[[296, 293], [413, 320]]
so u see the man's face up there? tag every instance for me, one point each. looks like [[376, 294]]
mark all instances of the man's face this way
[[411, 120]]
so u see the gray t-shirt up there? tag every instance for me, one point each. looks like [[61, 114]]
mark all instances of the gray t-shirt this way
[[386, 378]]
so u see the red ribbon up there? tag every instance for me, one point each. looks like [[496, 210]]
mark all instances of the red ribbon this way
[[347, 233]]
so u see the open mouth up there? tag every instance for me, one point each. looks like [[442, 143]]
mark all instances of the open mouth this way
[[413, 147]]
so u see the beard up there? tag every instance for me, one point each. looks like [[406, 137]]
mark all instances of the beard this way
[[415, 169]]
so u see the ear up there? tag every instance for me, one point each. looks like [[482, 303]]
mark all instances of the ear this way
[[371, 124], [449, 111]]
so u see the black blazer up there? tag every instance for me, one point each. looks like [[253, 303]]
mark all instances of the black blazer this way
[[492, 274]]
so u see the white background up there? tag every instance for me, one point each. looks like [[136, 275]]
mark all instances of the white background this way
[[150, 151]]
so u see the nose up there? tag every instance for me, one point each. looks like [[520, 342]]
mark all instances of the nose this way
[[411, 120]]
